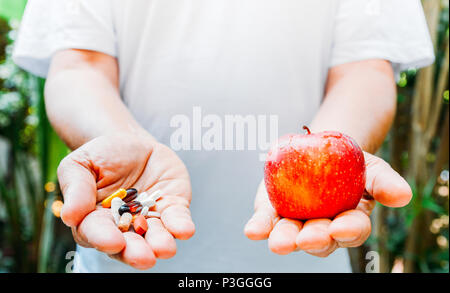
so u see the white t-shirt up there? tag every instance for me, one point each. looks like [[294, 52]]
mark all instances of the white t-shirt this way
[[217, 80]]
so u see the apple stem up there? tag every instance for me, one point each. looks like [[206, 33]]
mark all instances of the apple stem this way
[[307, 129]]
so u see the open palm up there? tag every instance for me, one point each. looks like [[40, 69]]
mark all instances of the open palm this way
[[107, 163], [320, 237]]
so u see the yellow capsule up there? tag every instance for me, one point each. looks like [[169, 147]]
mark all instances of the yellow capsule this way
[[121, 193]]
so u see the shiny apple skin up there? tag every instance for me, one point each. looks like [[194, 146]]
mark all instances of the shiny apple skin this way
[[317, 175]]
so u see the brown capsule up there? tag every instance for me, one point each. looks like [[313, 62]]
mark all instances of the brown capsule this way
[[132, 193], [132, 207], [125, 222]]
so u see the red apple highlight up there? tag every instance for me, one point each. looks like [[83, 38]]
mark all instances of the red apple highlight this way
[[314, 175]]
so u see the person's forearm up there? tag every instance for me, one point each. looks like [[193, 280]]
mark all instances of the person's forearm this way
[[83, 103], [360, 101]]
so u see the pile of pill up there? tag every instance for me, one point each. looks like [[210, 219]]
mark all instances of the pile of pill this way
[[132, 209]]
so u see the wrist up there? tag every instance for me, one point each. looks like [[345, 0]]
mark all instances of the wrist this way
[[137, 132]]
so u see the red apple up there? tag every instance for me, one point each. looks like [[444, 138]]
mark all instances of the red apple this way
[[314, 175]]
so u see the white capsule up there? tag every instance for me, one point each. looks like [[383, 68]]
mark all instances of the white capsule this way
[[116, 217], [144, 210], [142, 196], [116, 203], [148, 202], [153, 215], [156, 195], [145, 196]]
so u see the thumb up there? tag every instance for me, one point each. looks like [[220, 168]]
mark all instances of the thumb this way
[[385, 184], [78, 185], [264, 219]]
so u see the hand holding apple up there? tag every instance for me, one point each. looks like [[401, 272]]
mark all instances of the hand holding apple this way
[[314, 175], [326, 192]]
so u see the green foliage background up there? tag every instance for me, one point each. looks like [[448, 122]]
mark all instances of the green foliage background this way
[[28, 229]]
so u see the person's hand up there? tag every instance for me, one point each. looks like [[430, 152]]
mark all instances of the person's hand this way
[[105, 164], [320, 237]]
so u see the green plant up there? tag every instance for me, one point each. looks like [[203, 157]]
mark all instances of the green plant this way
[[417, 147], [31, 153]]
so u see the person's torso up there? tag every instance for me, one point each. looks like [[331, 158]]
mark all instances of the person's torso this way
[[217, 81]]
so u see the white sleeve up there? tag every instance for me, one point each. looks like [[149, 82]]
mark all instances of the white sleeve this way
[[394, 30], [52, 25]]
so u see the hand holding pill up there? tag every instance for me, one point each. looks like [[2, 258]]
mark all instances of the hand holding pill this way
[[130, 211], [122, 171]]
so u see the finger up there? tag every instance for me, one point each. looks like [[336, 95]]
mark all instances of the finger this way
[[78, 187], [324, 253], [315, 239], [160, 240], [99, 231], [77, 238], [282, 238], [385, 184], [261, 224], [137, 252], [264, 219], [350, 228], [366, 206], [177, 219], [170, 200]]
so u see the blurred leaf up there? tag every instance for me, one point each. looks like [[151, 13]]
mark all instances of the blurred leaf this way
[[403, 80], [430, 204], [428, 189], [12, 9], [47, 237]]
